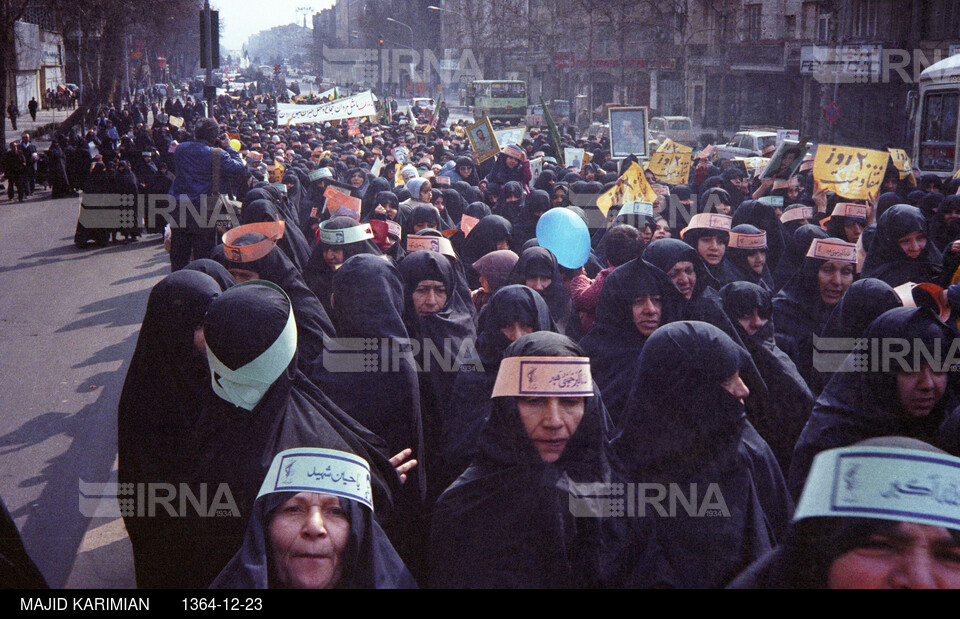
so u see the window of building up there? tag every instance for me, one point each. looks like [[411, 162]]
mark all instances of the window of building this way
[[941, 20], [864, 19], [823, 29], [751, 22], [790, 26]]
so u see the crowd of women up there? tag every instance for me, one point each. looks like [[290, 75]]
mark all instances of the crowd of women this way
[[400, 387]]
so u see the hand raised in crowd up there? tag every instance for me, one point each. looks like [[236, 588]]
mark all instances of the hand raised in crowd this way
[[764, 188], [403, 467]]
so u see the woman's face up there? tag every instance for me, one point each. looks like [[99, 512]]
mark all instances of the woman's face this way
[[429, 297], [950, 215], [307, 536], [756, 261], [357, 180], [515, 330], [905, 556], [503, 244], [512, 162], [753, 321], [684, 277], [558, 197], [333, 257], [539, 282], [918, 392], [735, 386], [423, 225], [662, 231], [391, 210], [711, 249], [834, 278], [913, 243], [550, 422], [852, 230], [647, 312], [589, 175], [646, 234]]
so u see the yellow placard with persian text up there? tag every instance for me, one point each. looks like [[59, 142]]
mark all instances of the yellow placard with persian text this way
[[901, 161], [672, 167], [851, 172], [632, 185]]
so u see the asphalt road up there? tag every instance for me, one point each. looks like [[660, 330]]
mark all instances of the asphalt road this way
[[69, 321]]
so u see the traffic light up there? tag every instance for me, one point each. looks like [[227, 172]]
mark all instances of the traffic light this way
[[210, 35], [215, 39]]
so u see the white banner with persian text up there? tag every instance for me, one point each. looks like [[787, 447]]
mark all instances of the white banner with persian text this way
[[348, 107]]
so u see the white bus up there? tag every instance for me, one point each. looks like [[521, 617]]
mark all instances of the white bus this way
[[935, 143]]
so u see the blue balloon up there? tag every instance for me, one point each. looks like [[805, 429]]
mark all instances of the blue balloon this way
[[566, 235]]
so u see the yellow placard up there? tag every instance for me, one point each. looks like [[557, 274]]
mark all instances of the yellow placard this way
[[672, 167], [850, 172], [669, 146], [754, 163], [632, 185], [276, 175], [901, 161]]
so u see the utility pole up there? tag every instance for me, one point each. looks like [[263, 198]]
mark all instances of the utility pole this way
[[126, 66], [206, 55], [380, 68]]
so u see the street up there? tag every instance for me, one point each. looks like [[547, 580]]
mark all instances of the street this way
[[69, 321]]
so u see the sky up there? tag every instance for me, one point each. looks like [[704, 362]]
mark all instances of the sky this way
[[241, 18]]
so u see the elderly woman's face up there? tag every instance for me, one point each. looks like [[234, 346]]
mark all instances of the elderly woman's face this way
[[307, 536], [550, 423]]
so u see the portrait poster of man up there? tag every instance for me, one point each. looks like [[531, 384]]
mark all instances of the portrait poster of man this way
[[786, 160], [628, 131], [483, 140]]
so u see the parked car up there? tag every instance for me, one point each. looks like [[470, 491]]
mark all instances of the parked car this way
[[558, 109], [426, 104], [747, 144], [676, 128]]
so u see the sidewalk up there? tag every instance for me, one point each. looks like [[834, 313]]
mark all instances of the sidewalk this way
[[44, 117]]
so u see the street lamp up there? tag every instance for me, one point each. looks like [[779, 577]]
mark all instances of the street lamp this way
[[437, 8], [457, 13], [412, 37]]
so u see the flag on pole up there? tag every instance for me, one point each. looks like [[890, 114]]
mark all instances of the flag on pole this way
[[435, 116], [554, 133]]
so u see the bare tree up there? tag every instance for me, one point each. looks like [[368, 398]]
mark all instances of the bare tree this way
[[108, 25], [10, 12]]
